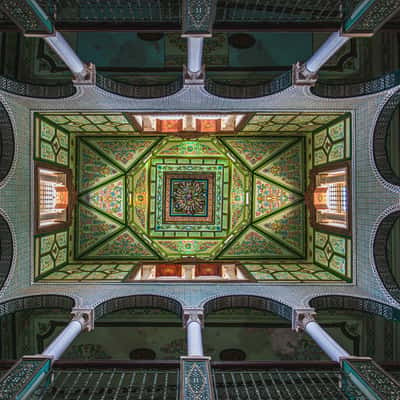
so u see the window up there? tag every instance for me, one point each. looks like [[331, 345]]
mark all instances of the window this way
[[330, 200], [53, 197]]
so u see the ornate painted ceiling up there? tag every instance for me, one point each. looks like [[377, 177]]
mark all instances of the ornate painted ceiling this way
[[168, 198], [226, 197]]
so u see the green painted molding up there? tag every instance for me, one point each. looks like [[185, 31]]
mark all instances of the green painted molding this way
[[369, 378], [28, 16], [369, 16], [24, 377]]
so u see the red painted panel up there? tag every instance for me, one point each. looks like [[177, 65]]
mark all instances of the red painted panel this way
[[208, 125], [168, 270], [169, 125], [208, 269]]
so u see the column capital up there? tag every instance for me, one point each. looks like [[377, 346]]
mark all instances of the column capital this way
[[88, 78], [301, 76], [301, 317], [87, 314], [193, 315], [194, 79]]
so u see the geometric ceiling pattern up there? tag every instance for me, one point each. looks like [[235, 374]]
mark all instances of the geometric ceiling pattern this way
[[168, 198], [156, 196], [288, 123], [93, 123]]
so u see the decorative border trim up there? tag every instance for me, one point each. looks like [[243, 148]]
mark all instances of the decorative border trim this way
[[138, 301], [36, 301], [13, 262], [248, 301], [344, 302], [9, 119]]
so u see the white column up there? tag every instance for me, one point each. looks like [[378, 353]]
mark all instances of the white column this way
[[325, 52], [67, 54], [333, 350], [195, 55], [58, 346], [193, 323], [194, 339]]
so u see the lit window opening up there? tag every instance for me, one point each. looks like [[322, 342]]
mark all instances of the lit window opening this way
[[330, 198], [53, 198]]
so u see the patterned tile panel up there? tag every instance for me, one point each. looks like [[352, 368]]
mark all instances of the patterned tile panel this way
[[332, 143], [195, 380], [333, 253], [289, 272], [91, 272], [92, 123], [290, 123], [52, 143], [51, 252]]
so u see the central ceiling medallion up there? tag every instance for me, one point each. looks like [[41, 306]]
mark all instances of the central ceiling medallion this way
[[189, 197], [181, 196]]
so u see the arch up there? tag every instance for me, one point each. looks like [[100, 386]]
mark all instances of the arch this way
[[36, 302], [27, 89], [138, 91], [353, 303], [7, 143], [379, 139], [381, 257], [6, 250], [244, 301], [356, 89], [230, 91], [138, 301]]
